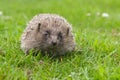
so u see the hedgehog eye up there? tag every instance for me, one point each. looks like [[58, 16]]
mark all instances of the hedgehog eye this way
[[47, 34], [60, 36]]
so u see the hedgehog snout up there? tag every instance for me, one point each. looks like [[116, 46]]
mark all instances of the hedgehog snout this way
[[54, 43], [53, 40]]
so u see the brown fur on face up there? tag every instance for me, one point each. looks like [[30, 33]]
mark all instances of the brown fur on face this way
[[48, 33]]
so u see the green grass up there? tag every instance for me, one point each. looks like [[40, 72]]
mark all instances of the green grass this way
[[97, 38]]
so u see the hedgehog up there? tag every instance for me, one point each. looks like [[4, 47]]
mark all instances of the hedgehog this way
[[49, 34]]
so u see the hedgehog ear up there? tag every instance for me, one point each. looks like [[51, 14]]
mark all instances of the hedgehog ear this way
[[68, 30], [38, 28]]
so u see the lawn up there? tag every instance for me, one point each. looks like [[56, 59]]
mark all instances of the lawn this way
[[96, 26]]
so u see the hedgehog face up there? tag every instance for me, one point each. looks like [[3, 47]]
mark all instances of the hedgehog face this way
[[52, 39]]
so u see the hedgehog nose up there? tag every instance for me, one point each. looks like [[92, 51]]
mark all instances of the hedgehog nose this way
[[54, 43]]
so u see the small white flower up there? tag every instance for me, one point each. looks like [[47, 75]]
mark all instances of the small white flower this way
[[88, 14], [98, 13], [105, 15], [1, 13], [6, 17]]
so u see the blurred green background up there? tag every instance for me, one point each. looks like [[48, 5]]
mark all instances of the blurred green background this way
[[96, 26]]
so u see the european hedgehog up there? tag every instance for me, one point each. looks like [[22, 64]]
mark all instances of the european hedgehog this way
[[48, 33]]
